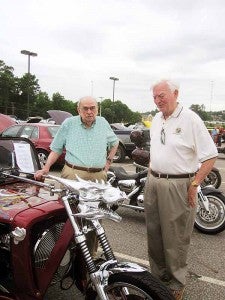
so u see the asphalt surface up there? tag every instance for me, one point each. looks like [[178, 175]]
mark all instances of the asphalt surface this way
[[206, 259]]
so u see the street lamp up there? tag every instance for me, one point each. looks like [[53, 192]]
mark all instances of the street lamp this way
[[100, 106], [29, 54], [114, 79]]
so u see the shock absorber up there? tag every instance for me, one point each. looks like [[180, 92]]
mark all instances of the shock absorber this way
[[106, 247], [87, 257]]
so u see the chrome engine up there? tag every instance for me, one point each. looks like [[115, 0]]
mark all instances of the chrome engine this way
[[126, 185]]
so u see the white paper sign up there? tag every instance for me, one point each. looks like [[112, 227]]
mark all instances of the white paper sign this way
[[23, 157]]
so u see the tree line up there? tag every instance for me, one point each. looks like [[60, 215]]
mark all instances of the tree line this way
[[23, 97]]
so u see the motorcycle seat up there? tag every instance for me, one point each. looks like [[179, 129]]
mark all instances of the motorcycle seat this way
[[122, 174]]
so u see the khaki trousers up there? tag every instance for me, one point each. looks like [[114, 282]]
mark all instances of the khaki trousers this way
[[70, 173], [169, 221]]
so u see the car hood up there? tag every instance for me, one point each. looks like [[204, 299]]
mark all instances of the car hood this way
[[5, 122], [59, 115]]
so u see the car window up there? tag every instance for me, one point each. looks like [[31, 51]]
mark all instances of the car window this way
[[11, 131], [27, 131], [34, 134], [53, 130]]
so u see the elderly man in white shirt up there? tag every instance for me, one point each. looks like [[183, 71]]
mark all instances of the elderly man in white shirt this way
[[179, 141]]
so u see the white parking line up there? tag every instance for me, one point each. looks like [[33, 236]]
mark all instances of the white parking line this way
[[212, 280], [146, 263]]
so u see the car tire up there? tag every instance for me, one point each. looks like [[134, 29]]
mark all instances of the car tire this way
[[120, 154], [43, 156]]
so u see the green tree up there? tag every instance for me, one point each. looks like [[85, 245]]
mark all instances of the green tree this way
[[42, 104], [7, 88], [200, 110], [117, 112], [70, 106], [58, 101], [28, 88]]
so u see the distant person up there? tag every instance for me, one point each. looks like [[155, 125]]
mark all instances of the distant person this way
[[90, 146], [214, 135], [219, 138], [178, 141]]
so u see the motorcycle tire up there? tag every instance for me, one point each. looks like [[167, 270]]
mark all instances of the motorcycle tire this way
[[134, 286], [214, 221], [213, 178]]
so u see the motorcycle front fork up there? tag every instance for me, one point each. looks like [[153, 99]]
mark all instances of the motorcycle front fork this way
[[203, 200], [99, 277]]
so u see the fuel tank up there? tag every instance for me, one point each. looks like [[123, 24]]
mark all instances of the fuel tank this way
[[21, 203]]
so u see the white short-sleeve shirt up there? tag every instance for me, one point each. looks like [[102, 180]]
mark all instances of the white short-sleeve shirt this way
[[187, 142]]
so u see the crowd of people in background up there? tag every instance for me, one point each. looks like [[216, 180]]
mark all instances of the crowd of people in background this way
[[216, 134]]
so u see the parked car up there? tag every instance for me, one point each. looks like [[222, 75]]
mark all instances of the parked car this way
[[5, 121], [125, 147], [41, 135]]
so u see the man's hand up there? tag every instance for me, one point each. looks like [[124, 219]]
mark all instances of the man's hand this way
[[192, 192], [40, 173]]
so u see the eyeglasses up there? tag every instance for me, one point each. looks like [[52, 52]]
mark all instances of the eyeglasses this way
[[163, 136], [160, 96], [86, 108]]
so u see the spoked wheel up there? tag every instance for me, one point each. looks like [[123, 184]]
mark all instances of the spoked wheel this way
[[43, 156], [211, 222], [135, 286], [213, 178]]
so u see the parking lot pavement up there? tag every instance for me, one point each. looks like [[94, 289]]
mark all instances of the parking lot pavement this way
[[206, 263]]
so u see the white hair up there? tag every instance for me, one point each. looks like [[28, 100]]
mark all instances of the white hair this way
[[173, 86]]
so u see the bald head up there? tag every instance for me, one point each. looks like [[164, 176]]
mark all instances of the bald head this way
[[88, 109], [87, 99]]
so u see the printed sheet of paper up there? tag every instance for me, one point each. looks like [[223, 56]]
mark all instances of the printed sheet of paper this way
[[23, 157]]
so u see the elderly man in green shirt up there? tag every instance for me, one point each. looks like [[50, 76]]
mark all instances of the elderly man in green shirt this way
[[89, 141], [90, 145]]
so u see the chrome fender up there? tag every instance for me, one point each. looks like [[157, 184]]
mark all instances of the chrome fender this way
[[127, 267]]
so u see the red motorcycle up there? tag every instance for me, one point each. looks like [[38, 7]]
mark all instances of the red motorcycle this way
[[43, 227]]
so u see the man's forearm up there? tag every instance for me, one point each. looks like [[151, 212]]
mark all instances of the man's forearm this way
[[112, 151], [52, 158], [204, 170]]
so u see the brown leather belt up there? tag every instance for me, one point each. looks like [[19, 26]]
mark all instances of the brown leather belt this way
[[90, 170], [158, 175]]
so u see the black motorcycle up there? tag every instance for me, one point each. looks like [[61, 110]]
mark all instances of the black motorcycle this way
[[210, 217], [140, 155]]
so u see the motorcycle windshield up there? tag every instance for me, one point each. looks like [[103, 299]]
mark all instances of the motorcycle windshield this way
[[17, 154]]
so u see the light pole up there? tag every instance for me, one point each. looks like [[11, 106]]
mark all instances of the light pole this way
[[114, 79], [211, 92], [100, 106], [29, 54]]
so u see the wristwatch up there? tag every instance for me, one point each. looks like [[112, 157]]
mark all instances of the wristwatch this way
[[194, 183]]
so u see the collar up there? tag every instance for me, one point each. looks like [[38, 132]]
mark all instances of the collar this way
[[176, 112], [83, 124]]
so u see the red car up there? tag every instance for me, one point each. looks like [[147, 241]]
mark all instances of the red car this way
[[41, 135]]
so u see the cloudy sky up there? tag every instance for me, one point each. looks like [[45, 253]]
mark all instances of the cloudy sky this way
[[81, 43]]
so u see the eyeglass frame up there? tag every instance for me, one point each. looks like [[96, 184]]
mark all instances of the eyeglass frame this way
[[163, 136]]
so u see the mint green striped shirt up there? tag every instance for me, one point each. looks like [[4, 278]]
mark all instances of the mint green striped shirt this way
[[86, 147]]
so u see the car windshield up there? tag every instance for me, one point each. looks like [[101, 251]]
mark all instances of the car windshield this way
[[11, 131], [53, 130]]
